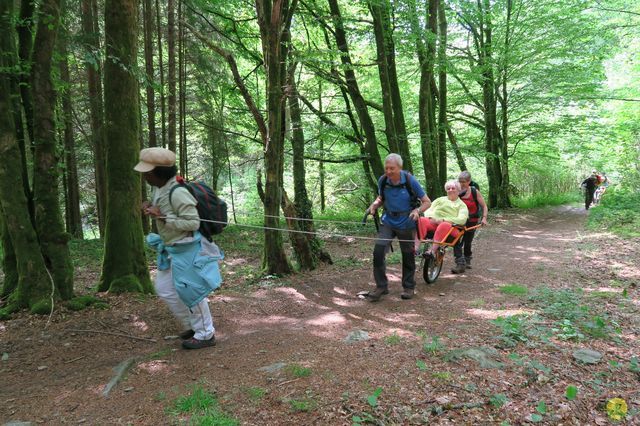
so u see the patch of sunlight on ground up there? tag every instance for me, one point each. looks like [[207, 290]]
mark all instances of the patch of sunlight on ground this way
[[493, 314], [603, 289], [528, 237], [333, 317], [3, 328], [138, 323], [155, 366], [341, 290], [404, 319], [346, 303], [289, 291]]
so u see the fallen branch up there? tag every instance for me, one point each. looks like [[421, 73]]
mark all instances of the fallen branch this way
[[439, 409], [74, 360], [113, 334], [120, 371]]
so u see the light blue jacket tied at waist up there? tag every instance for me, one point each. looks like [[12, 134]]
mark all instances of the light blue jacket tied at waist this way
[[193, 263]]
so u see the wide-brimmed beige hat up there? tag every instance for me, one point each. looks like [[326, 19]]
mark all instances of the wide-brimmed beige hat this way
[[150, 158]]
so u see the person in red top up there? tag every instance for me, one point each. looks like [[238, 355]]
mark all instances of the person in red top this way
[[478, 211]]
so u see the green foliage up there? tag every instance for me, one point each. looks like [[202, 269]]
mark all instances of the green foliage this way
[[302, 405], [393, 339], [540, 200], [126, 284], [513, 329], [571, 392], [498, 400], [203, 409], [372, 399], [298, 370], [41, 307], [434, 346], [87, 254], [514, 290], [81, 302], [256, 393], [617, 212], [422, 366]]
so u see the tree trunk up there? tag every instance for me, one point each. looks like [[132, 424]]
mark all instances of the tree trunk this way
[[503, 193], [492, 160], [148, 63], [9, 261], [303, 206], [354, 92], [124, 266], [274, 22], [171, 98], [25, 27], [456, 148], [163, 100], [321, 172], [91, 33], [33, 286], [425, 47], [49, 224], [73, 218], [442, 92]]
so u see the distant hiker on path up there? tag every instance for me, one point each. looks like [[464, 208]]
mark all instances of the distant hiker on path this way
[[478, 211], [589, 187], [183, 280], [404, 201]]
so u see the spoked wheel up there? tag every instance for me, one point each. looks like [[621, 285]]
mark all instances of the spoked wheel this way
[[432, 267]]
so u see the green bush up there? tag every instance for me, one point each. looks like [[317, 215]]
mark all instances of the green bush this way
[[617, 212], [539, 200]]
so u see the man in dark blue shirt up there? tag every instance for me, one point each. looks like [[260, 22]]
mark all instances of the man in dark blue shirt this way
[[397, 190]]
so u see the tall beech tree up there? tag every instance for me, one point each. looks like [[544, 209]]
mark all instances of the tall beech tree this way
[[49, 223], [124, 267], [26, 280]]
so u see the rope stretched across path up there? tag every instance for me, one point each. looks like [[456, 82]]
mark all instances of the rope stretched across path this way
[[332, 234]]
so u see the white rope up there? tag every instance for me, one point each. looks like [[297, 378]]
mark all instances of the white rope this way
[[332, 234]]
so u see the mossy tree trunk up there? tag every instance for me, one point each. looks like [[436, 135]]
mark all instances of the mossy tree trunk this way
[[124, 267], [32, 286], [49, 224]]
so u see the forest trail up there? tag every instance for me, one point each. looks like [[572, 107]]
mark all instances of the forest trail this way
[[282, 358]]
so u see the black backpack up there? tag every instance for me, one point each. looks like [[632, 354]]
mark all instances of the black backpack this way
[[414, 200], [210, 207]]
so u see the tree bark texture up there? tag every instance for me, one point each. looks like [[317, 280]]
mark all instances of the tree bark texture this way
[[274, 21], [124, 266], [49, 224], [91, 33], [72, 199], [303, 206], [149, 19], [354, 91], [171, 79], [163, 100], [33, 285], [442, 92]]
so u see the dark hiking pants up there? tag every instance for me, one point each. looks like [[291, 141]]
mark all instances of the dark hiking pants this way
[[462, 250], [406, 237]]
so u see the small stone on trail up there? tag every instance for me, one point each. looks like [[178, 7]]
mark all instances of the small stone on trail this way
[[494, 269], [128, 389], [273, 367], [17, 423], [587, 356], [42, 367], [441, 294], [356, 336], [171, 337], [5, 356]]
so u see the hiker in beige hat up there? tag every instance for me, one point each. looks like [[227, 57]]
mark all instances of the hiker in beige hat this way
[[176, 219]]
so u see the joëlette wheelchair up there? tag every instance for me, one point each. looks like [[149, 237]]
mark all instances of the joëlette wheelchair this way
[[432, 265]]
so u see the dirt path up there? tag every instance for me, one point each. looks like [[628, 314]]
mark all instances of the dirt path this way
[[297, 328]]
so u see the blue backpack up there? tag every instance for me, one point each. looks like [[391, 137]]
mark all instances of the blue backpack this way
[[210, 207]]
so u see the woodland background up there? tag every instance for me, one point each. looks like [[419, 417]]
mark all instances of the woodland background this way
[[290, 106]]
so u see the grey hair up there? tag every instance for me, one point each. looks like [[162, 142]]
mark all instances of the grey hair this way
[[453, 182], [395, 158], [465, 175]]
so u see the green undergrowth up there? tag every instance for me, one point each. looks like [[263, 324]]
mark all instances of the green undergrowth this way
[[618, 212], [540, 200], [564, 314], [81, 302], [200, 407]]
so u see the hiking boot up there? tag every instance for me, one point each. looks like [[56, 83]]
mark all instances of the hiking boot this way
[[407, 294], [458, 269], [187, 334], [194, 343], [377, 294], [467, 262]]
